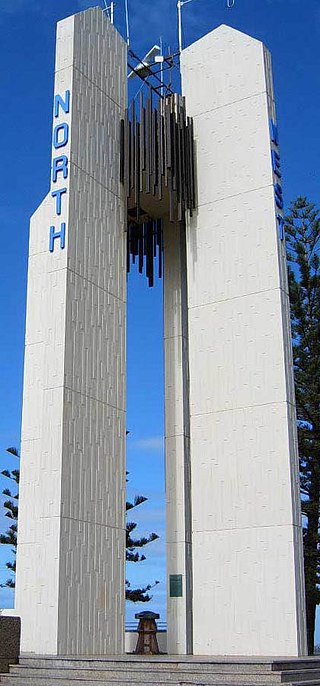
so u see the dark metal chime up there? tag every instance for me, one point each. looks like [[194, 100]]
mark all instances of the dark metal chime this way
[[157, 171], [145, 243]]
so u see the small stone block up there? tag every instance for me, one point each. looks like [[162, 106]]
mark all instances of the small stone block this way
[[9, 641]]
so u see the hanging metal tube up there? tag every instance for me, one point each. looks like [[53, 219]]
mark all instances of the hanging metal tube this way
[[157, 172], [127, 21], [179, 8]]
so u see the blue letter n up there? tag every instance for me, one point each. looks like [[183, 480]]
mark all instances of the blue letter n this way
[[57, 234], [64, 104]]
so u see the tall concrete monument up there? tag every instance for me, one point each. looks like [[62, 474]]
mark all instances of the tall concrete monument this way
[[196, 180], [70, 576]]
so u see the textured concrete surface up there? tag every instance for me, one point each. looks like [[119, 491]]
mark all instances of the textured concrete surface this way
[[234, 525], [248, 587], [70, 564], [177, 432], [162, 670]]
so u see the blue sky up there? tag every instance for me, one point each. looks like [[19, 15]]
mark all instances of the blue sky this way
[[291, 30]]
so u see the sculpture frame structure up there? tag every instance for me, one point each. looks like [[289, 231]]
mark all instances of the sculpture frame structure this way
[[234, 537]]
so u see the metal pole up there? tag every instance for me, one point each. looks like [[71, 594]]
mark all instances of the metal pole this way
[[180, 3], [106, 8], [127, 21], [161, 67], [179, 7], [112, 13]]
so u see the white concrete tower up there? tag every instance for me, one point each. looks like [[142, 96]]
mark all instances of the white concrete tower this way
[[71, 552], [177, 443], [247, 574]]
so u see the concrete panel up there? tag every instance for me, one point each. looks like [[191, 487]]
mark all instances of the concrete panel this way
[[227, 466], [92, 488], [177, 444], [227, 67], [175, 488], [237, 347], [229, 241], [236, 128], [90, 589], [177, 607], [71, 552], [245, 569], [246, 519], [174, 386]]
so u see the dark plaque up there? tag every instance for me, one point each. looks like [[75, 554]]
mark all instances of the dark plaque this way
[[175, 585]]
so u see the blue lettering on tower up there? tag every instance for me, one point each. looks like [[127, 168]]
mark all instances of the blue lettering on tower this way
[[280, 220], [57, 234], [276, 163], [58, 194], [60, 169], [59, 141], [64, 104], [274, 132], [278, 195], [59, 164], [276, 168]]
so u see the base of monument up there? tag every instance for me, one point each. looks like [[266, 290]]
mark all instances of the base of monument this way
[[130, 670]]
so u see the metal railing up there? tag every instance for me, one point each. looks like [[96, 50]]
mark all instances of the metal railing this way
[[132, 626]]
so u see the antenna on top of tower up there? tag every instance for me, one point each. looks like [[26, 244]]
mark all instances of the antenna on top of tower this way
[[126, 8], [109, 10], [180, 4]]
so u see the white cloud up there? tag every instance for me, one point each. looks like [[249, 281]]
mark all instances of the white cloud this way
[[153, 444]]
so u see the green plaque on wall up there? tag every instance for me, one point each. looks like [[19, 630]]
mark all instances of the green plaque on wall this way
[[175, 585]]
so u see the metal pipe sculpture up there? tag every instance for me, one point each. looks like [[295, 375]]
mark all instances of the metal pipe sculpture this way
[[158, 174]]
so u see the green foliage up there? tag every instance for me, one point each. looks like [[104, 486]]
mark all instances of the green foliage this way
[[303, 248], [11, 507], [137, 595]]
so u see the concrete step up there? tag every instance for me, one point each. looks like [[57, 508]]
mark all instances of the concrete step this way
[[165, 662], [219, 672], [145, 663], [297, 663], [44, 681], [31, 680], [172, 676], [161, 671], [304, 675]]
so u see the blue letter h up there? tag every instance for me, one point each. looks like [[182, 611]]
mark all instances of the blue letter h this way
[[59, 234]]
